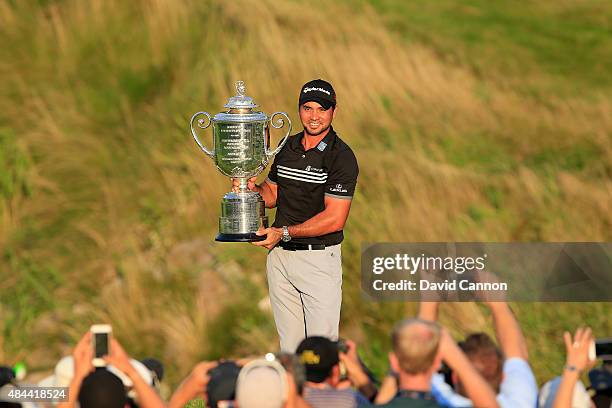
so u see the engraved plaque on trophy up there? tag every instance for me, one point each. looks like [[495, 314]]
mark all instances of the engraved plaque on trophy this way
[[241, 138]]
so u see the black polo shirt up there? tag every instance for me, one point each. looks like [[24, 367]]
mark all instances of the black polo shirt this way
[[304, 178]]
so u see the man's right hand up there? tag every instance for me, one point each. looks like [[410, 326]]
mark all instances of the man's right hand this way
[[354, 370], [250, 184], [82, 357]]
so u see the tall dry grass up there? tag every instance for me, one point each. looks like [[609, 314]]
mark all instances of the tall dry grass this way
[[124, 206]]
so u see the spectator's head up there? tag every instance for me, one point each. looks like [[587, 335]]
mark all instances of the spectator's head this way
[[262, 384], [415, 346], [320, 358], [102, 389], [156, 369], [5, 400], [486, 357], [222, 383]]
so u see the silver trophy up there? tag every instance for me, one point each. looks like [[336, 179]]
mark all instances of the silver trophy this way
[[241, 139]]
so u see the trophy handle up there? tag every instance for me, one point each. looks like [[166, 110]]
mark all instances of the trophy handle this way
[[279, 124], [202, 124]]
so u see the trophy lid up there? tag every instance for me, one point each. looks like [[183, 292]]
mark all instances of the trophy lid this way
[[240, 101]]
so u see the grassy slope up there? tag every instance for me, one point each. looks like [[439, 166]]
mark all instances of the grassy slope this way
[[545, 48], [480, 122]]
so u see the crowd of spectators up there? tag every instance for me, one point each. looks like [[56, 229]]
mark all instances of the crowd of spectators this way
[[427, 368]]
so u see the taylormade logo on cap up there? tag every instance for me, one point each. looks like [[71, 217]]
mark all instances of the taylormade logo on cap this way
[[306, 90], [319, 91]]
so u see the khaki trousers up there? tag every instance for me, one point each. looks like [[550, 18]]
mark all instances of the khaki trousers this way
[[305, 293]]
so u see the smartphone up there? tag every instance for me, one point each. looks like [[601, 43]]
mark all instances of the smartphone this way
[[100, 340], [603, 349]]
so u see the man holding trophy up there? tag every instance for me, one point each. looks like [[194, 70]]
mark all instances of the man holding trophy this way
[[311, 182]]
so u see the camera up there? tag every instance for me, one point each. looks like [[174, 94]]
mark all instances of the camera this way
[[342, 346]]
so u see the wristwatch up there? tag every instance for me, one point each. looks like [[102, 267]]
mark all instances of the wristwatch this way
[[286, 236]]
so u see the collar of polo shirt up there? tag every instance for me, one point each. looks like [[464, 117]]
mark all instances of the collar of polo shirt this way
[[324, 144]]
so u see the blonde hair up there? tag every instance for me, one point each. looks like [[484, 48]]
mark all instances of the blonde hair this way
[[415, 343]]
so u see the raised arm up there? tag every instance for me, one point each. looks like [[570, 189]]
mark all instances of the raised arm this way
[[508, 331], [147, 396], [194, 385], [577, 360], [356, 374], [428, 311], [476, 387], [82, 359]]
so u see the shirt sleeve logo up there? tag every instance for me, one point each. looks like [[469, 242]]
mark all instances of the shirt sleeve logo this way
[[338, 188]]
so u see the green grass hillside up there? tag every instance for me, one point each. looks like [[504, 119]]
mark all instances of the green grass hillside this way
[[471, 120]]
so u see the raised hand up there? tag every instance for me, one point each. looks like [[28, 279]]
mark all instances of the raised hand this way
[[577, 351]]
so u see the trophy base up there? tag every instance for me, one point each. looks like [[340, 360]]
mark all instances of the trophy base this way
[[248, 237], [242, 214]]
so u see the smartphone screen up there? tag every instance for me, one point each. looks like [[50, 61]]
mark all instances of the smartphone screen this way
[[603, 348], [101, 342]]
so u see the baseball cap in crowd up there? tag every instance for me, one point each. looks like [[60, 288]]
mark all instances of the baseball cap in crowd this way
[[262, 384], [222, 383], [580, 396], [156, 369], [319, 91], [64, 371], [319, 355], [102, 389]]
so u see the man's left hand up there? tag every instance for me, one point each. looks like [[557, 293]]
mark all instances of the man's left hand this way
[[120, 359], [274, 235]]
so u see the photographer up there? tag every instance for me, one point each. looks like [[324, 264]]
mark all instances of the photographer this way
[[323, 388], [507, 370], [101, 388], [217, 383], [212, 381], [419, 347]]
